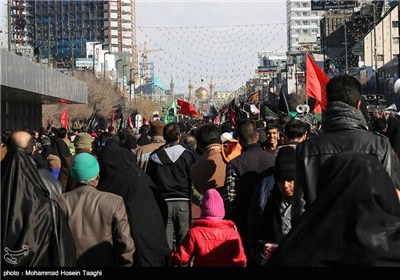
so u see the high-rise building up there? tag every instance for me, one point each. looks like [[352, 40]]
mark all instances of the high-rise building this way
[[15, 26], [303, 25], [59, 29]]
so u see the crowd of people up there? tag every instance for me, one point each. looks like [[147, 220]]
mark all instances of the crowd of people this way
[[259, 193]]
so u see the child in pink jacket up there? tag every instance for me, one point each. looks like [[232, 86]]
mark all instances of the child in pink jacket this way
[[211, 241]]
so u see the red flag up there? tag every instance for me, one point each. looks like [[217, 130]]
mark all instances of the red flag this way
[[63, 101], [232, 112], [316, 81], [232, 115], [130, 121], [64, 118], [216, 120], [112, 118], [187, 108]]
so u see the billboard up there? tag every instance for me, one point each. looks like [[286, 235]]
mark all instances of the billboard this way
[[321, 5], [84, 62], [307, 38], [89, 49]]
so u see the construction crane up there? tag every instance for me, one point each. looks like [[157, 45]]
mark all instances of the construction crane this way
[[147, 68], [145, 53]]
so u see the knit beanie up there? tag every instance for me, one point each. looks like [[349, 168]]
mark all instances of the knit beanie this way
[[212, 205], [83, 141], [84, 166], [285, 164]]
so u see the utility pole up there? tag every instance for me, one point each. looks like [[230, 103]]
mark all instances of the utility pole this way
[[295, 72], [123, 77], [375, 54], [346, 69], [286, 76], [49, 47], [104, 73], [9, 23], [130, 85], [116, 71]]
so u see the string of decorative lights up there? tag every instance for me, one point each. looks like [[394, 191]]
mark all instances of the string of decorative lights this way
[[228, 55]]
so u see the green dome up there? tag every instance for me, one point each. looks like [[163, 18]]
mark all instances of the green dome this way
[[157, 82]]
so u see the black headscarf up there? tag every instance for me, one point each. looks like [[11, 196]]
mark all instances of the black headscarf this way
[[355, 219], [34, 231], [60, 148], [143, 139], [119, 174]]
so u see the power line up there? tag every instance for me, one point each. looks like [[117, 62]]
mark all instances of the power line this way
[[212, 26]]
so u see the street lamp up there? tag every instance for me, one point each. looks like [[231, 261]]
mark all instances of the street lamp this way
[[94, 54], [116, 71], [123, 77], [375, 51], [130, 85], [104, 76], [286, 76]]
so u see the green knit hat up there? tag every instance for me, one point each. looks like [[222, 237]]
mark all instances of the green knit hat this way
[[84, 167]]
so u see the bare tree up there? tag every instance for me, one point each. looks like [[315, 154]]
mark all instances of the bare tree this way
[[103, 99]]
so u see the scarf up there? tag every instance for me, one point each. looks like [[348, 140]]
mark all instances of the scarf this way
[[339, 116]]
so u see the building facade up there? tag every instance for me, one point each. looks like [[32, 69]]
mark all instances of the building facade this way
[[59, 30], [303, 25]]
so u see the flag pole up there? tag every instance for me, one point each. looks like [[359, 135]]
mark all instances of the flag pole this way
[[306, 79]]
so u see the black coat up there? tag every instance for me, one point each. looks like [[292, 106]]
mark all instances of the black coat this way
[[344, 130], [354, 221]]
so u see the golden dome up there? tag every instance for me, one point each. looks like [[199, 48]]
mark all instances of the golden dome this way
[[201, 93]]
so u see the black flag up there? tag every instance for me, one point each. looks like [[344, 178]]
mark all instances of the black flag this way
[[283, 105]]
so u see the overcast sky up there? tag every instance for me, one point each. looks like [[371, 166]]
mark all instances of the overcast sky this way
[[200, 40]]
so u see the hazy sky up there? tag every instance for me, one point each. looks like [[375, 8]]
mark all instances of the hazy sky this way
[[200, 40]]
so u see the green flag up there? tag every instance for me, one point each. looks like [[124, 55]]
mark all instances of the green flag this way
[[170, 115]]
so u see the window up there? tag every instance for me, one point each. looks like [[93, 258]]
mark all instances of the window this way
[[395, 23]]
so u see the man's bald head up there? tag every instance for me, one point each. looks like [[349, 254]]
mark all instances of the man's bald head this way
[[22, 139]]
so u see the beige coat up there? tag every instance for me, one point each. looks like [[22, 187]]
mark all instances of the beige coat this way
[[144, 152], [99, 225]]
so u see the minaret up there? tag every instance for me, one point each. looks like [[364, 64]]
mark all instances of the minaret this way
[[172, 86], [190, 89], [211, 89]]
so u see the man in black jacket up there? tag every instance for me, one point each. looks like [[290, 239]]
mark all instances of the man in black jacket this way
[[169, 166], [344, 129], [243, 173]]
